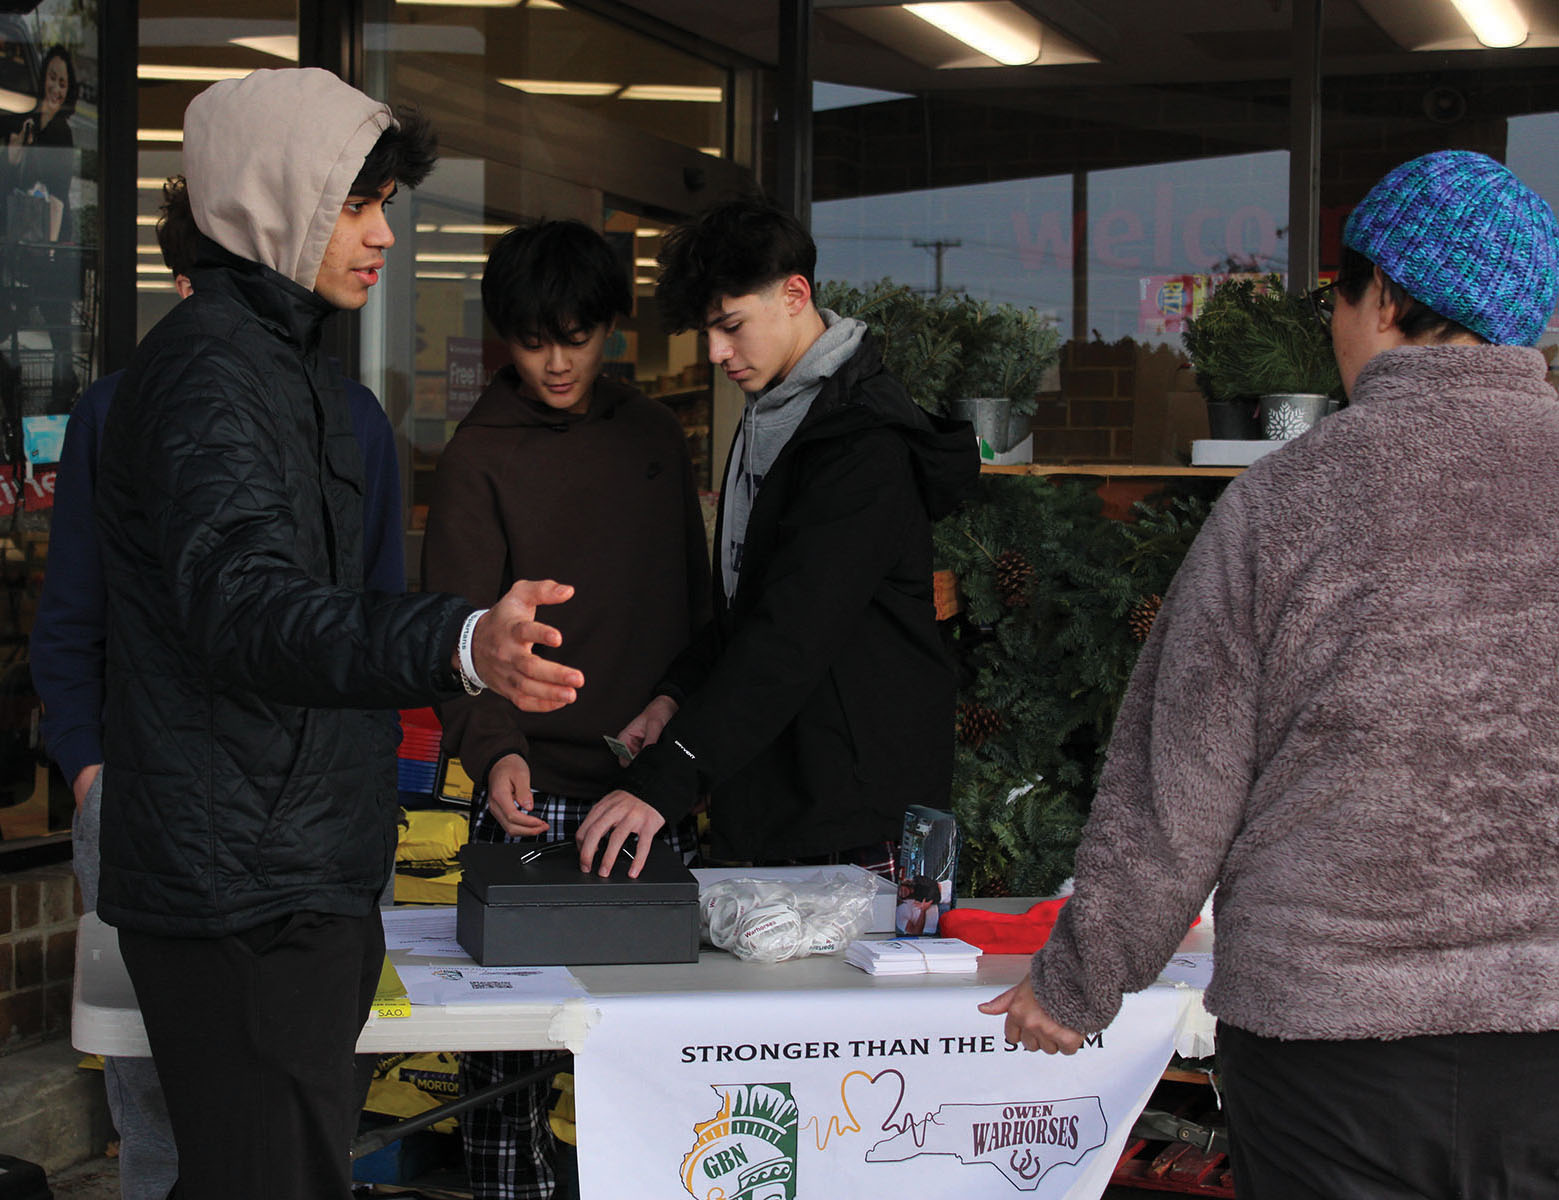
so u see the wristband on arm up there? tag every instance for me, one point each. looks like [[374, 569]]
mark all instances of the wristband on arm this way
[[469, 679]]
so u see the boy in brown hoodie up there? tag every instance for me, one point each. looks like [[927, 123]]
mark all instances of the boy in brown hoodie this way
[[560, 471]]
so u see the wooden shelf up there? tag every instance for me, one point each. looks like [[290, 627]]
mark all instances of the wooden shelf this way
[[1111, 470]]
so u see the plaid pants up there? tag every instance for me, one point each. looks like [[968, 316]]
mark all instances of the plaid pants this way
[[509, 1148]]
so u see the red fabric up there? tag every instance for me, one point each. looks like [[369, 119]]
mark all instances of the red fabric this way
[[1005, 933]]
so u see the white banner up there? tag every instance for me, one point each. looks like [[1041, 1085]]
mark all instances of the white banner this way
[[821, 1095]]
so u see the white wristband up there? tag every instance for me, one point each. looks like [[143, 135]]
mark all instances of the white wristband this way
[[469, 679]]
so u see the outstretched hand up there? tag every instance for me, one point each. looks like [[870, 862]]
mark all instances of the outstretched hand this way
[[501, 649], [1030, 1024]]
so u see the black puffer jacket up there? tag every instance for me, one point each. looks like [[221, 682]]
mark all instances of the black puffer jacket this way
[[243, 776], [819, 704]]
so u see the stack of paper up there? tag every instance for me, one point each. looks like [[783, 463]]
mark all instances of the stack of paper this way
[[913, 956]]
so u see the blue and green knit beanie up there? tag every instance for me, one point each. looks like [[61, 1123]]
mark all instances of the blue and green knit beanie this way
[[1463, 235]]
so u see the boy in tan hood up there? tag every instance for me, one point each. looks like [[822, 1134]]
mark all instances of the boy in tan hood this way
[[249, 797]]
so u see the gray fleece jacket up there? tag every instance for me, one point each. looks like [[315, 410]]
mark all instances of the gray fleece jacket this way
[[1347, 717]]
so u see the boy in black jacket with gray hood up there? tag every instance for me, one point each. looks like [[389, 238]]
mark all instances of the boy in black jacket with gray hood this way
[[818, 703], [249, 798]]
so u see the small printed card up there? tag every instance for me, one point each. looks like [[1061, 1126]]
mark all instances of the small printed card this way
[[914, 956]]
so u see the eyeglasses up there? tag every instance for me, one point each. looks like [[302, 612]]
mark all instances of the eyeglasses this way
[[1323, 303]]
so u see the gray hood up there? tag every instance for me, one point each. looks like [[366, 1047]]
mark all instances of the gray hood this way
[[270, 159]]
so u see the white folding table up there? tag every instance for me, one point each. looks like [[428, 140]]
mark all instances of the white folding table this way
[[106, 1020]]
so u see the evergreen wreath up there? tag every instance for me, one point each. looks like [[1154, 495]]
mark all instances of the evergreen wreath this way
[[1055, 596]]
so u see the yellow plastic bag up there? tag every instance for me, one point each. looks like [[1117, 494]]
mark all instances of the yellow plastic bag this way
[[407, 1085], [430, 836]]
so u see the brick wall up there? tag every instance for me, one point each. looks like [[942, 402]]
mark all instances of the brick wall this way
[[38, 912], [1090, 418]]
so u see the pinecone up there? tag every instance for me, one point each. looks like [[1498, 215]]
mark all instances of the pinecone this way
[[995, 886], [1014, 578], [976, 723], [1141, 616]]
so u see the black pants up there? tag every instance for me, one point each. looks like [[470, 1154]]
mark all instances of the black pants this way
[[253, 1038], [1470, 1116]]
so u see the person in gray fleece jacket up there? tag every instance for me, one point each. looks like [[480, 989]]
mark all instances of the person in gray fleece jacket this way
[[1346, 719]]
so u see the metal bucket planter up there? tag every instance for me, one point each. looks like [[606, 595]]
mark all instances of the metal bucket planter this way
[[994, 421], [1288, 414]]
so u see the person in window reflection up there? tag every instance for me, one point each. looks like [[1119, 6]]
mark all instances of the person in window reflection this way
[[1345, 717], [559, 472], [249, 788], [818, 702], [40, 158]]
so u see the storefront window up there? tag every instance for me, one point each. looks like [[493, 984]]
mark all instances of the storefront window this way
[[1106, 213], [48, 348], [541, 112], [1136, 238], [1116, 208], [49, 342]]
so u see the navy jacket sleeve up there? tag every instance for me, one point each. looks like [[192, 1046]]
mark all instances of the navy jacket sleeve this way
[[384, 550], [68, 635]]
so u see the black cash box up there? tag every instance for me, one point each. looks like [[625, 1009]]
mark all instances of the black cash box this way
[[526, 905]]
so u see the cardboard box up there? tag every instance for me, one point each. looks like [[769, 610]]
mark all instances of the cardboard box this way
[[1170, 412], [1221, 452], [882, 905], [547, 912]]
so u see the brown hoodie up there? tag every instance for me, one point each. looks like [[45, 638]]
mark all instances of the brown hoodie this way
[[237, 130], [605, 501]]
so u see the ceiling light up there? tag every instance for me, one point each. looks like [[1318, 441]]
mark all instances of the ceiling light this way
[[150, 269], [451, 258], [159, 135], [426, 227], [561, 87], [442, 275], [189, 74], [646, 262], [16, 102], [463, 3], [674, 91], [643, 282], [543, 4], [150, 183], [280, 45], [146, 219], [484, 230], [143, 248], [998, 31], [154, 285], [712, 151], [646, 233], [1498, 24]]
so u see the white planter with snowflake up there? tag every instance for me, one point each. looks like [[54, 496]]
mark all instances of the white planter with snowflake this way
[[1286, 415]]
